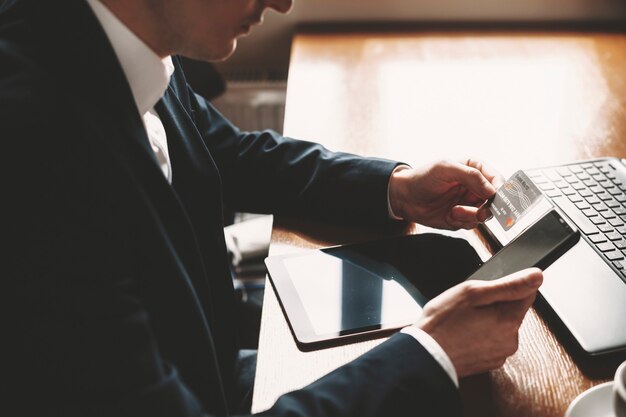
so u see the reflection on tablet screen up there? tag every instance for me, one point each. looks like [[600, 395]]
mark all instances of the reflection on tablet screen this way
[[340, 294], [346, 290]]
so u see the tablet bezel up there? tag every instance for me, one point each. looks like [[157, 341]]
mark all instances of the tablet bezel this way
[[298, 319]]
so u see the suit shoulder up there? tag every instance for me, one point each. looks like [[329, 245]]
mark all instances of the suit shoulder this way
[[23, 82]]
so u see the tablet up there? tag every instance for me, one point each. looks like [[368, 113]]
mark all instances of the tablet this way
[[332, 295]]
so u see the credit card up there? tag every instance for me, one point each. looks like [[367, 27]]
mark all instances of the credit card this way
[[514, 199]]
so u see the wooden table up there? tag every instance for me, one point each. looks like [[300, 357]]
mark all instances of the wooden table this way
[[516, 100]]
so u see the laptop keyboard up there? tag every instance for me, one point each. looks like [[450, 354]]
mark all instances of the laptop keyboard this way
[[593, 195]]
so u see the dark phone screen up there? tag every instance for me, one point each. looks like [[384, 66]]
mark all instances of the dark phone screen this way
[[352, 288], [529, 249]]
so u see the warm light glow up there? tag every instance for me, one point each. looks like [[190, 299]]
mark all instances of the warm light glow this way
[[323, 97], [422, 98], [526, 107]]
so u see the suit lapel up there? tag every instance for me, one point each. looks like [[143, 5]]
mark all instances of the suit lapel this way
[[197, 183], [97, 88]]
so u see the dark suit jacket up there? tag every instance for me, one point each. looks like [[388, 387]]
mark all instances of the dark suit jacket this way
[[116, 290]]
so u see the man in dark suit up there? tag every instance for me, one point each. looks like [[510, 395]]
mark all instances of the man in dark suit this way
[[116, 277]]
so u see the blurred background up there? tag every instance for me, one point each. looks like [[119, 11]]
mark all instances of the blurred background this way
[[267, 48], [254, 78]]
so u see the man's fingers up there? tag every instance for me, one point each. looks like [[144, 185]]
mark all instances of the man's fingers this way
[[515, 287], [516, 310], [471, 178], [469, 215], [463, 217], [484, 214], [491, 174]]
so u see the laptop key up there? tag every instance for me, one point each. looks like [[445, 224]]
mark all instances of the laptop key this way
[[605, 228], [595, 189], [589, 212], [582, 222], [601, 207], [616, 222], [608, 214], [612, 203], [606, 247], [583, 176], [599, 238], [621, 230], [553, 193], [564, 172], [614, 236], [551, 174], [620, 210], [619, 264], [614, 255], [620, 244], [597, 220], [593, 200], [583, 205], [540, 179], [575, 198]]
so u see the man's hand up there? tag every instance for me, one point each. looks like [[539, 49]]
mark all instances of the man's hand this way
[[477, 322], [445, 195]]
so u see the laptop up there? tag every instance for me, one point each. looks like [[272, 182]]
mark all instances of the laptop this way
[[584, 292]]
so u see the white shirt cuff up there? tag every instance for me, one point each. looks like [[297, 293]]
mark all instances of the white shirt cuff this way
[[392, 215], [434, 349]]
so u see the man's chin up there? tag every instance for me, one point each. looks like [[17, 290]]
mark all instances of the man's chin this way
[[229, 51], [214, 54]]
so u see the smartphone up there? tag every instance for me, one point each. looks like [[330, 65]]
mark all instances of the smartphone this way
[[538, 246]]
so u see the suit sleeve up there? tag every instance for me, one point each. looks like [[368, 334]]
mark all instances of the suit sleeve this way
[[397, 378], [266, 172]]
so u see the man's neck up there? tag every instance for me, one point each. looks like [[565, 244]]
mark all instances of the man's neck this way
[[145, 21]]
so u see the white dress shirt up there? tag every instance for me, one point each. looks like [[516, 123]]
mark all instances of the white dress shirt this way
[[148, 77]]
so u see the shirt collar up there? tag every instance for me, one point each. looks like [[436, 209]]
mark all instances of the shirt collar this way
[[147, 74]]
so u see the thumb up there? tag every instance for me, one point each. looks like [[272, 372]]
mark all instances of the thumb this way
[[516, 310], [517, 286]]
